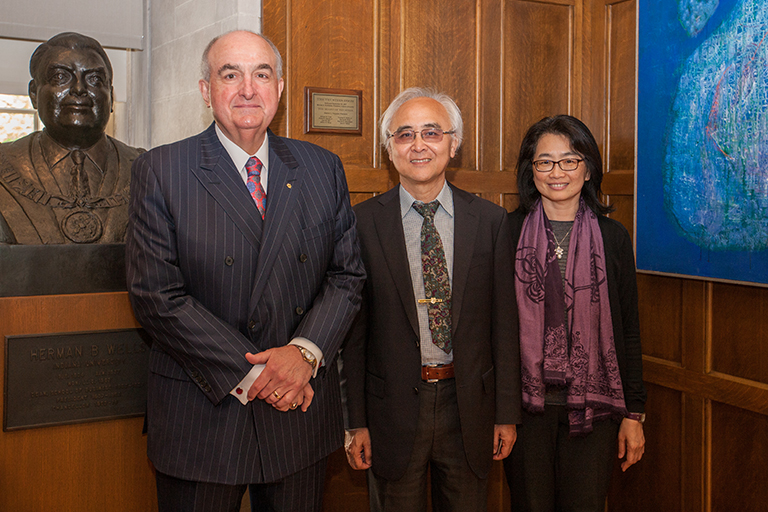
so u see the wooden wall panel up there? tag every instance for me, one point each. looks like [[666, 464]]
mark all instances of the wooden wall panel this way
[[618, 129], [491, 131], [538, 68], [661, 302], [739, 452], [438, 46], [663, 452], [328, 65], [88, 467], [740, 331], [620, 126], [332, 45]]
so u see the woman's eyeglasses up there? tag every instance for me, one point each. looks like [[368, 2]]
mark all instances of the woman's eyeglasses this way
[[566, 164]]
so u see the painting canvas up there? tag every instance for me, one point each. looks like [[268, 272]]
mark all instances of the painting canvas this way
[[702, 149]]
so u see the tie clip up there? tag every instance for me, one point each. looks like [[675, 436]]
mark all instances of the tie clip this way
[[433, 300]]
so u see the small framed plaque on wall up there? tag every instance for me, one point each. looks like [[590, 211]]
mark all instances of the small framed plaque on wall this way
[[333, 110]]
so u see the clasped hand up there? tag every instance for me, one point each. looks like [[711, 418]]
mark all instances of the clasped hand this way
[[284, 382]]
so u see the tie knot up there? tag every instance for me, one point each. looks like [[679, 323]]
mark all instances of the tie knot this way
[[78, 157], [253, 166], [427, 210]]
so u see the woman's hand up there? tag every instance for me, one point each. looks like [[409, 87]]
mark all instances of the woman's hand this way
[[631, 442]]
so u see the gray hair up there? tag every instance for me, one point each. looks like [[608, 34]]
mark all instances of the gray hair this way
[[454, 114], [205, 66]]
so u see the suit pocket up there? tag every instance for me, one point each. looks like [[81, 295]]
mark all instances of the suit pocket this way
[[374, 385], [489, 381], [317, 230]]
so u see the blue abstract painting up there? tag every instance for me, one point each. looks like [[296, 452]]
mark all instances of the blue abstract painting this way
[[702, 152]]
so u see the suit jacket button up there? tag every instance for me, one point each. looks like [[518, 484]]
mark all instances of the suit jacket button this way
[[415, 391], [228, 261], [251, 325], [303, 258], [299, 310]]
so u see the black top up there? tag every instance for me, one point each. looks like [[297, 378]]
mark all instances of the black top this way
[[622, 292]]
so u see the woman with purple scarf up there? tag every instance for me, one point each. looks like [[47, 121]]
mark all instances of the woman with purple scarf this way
[[582, 372]]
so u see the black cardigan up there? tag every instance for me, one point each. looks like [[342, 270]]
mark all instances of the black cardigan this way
[[622, 292]]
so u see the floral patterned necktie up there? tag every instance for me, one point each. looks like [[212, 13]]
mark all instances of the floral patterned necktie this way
[[253, 166], [437, 285]]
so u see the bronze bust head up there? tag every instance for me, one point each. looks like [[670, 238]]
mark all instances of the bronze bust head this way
[[71, 88], [69, 182]]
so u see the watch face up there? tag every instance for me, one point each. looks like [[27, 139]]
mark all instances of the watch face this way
[[309, 357]]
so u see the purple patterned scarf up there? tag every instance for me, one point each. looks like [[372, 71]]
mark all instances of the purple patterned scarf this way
[[586, 363]]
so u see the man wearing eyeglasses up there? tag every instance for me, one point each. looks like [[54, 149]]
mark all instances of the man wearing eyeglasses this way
[[431, 367]]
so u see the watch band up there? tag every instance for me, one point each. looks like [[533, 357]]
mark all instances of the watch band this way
[[637, 416]]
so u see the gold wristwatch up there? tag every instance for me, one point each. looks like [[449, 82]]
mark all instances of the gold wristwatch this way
[[308, 357]]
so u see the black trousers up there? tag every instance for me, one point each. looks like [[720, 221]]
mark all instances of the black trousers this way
[[438, 451], [548, 471], [299, 492]]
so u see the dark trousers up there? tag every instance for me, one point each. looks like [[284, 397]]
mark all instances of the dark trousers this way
[[299, 492], [548, 471], [438, 450]]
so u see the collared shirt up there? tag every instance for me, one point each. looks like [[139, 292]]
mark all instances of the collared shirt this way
[[240, 157], [60, 163], [412, 221]]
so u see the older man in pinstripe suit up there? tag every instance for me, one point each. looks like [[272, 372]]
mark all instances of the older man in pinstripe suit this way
[[244, 267]]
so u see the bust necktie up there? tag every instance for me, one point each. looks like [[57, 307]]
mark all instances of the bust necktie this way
[[437, 285], [79, 187], [254, 166]]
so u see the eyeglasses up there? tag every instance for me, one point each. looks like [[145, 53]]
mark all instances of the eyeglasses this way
[[427, 135], [566, 164]]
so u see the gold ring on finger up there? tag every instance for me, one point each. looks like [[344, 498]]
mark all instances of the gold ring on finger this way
[[276, 394], [294, 405]]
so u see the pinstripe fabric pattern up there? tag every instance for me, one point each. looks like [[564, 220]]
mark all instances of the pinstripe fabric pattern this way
[[210, 281]]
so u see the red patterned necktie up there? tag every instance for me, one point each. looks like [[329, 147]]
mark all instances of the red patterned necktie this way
[[437, 285], [253, 166]]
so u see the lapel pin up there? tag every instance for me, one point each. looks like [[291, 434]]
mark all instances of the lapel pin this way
[[288, 185]]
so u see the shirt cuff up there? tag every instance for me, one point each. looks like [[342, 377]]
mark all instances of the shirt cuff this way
[[305, 343], [241, 390]]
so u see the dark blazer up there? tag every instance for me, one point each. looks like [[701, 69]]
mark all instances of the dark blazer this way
[[210, 281], [622, 293], [382, 359]]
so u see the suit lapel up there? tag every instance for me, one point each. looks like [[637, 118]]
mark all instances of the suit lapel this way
[[465, 226], [218, 175], [284, 190], [389, 228]]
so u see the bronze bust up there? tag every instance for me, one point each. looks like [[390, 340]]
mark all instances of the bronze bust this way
[[68, 183]]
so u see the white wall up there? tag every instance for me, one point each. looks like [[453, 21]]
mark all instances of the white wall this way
[[179, 30], [114, 23]]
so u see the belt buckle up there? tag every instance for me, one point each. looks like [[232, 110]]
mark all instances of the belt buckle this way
[[432, 381]]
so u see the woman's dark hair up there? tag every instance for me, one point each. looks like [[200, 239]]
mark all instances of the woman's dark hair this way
[[582, 142]]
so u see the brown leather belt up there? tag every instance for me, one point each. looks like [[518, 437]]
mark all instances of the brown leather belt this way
[[434, 373]]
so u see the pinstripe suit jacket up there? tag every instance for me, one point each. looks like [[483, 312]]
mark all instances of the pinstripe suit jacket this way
[[382, 358], [210, 281]]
